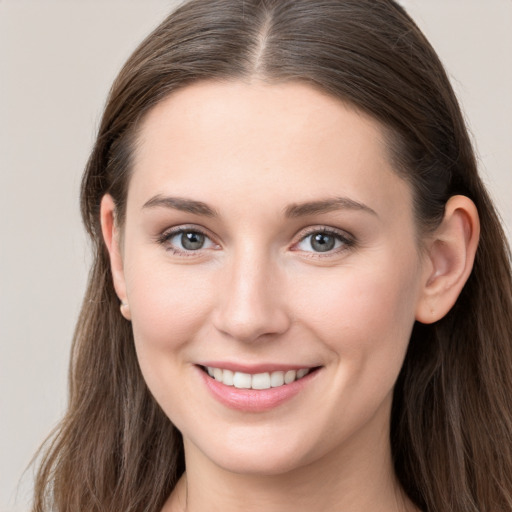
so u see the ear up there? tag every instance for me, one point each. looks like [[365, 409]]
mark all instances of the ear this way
[[450, 256], [112, 241]]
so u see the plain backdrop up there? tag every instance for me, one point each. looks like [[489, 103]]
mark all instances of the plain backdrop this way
[[58, 59]]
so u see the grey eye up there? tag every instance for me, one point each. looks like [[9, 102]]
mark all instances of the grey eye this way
[[185, 241], [322, 242], [191, 240]]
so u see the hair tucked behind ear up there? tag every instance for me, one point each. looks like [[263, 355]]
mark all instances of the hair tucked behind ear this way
[[452, 412]]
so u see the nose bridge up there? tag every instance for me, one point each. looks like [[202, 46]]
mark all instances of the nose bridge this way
[[250, 301]]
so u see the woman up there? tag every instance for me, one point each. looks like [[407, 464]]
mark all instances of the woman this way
[[302, 296]]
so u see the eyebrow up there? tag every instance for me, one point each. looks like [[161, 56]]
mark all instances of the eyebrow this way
[[292, 211], [182, 204], [325, 206]]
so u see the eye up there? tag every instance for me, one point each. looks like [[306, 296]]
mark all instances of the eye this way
[[184, 240], [324, 241]]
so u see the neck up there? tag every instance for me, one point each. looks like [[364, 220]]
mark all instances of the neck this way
[[355, 478]]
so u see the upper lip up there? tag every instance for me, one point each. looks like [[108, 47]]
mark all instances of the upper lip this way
[[255, 368]]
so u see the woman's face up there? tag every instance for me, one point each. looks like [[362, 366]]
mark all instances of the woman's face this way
[[266, 232]]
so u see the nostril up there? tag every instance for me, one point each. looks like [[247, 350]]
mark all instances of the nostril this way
[[248, 324]]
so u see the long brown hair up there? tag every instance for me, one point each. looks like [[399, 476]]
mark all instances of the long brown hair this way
[[451, 425]]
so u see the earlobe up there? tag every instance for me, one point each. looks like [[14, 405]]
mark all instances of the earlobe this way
[[450, 256], [111, 237]]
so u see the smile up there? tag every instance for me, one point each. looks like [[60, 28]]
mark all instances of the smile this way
[[256, 390], [258, 381]]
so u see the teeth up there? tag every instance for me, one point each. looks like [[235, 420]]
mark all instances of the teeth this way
[[228, 377], [241, 380], [290, 376], [266, 380], [261, 381], [217, 374], [301, 373], [276, 379]]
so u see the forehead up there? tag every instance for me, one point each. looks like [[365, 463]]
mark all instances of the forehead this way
[[293, 112], [238, 138]]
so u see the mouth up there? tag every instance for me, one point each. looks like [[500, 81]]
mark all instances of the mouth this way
[[257, 381], [259, 388]]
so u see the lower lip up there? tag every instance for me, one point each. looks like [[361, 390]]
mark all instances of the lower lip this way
[[255, 400]]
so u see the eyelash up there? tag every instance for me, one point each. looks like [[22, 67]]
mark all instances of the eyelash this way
[[347, 241]]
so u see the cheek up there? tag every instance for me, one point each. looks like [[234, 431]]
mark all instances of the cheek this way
[[364, 317], [168, 302], [365, 312]]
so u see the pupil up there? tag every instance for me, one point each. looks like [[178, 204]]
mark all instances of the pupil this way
[[322, 242], [192, 240]]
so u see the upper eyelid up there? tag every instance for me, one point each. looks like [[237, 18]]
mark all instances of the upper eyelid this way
[[324, 229], [184, 227]]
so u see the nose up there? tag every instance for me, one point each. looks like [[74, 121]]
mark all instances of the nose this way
[[251, 301]]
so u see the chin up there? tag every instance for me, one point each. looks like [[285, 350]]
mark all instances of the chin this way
[[262, 465], [257, 455]]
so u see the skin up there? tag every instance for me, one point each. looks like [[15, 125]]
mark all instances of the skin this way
[[259, 292]]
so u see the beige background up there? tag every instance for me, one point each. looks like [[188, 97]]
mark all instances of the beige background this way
[[58, 59]]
